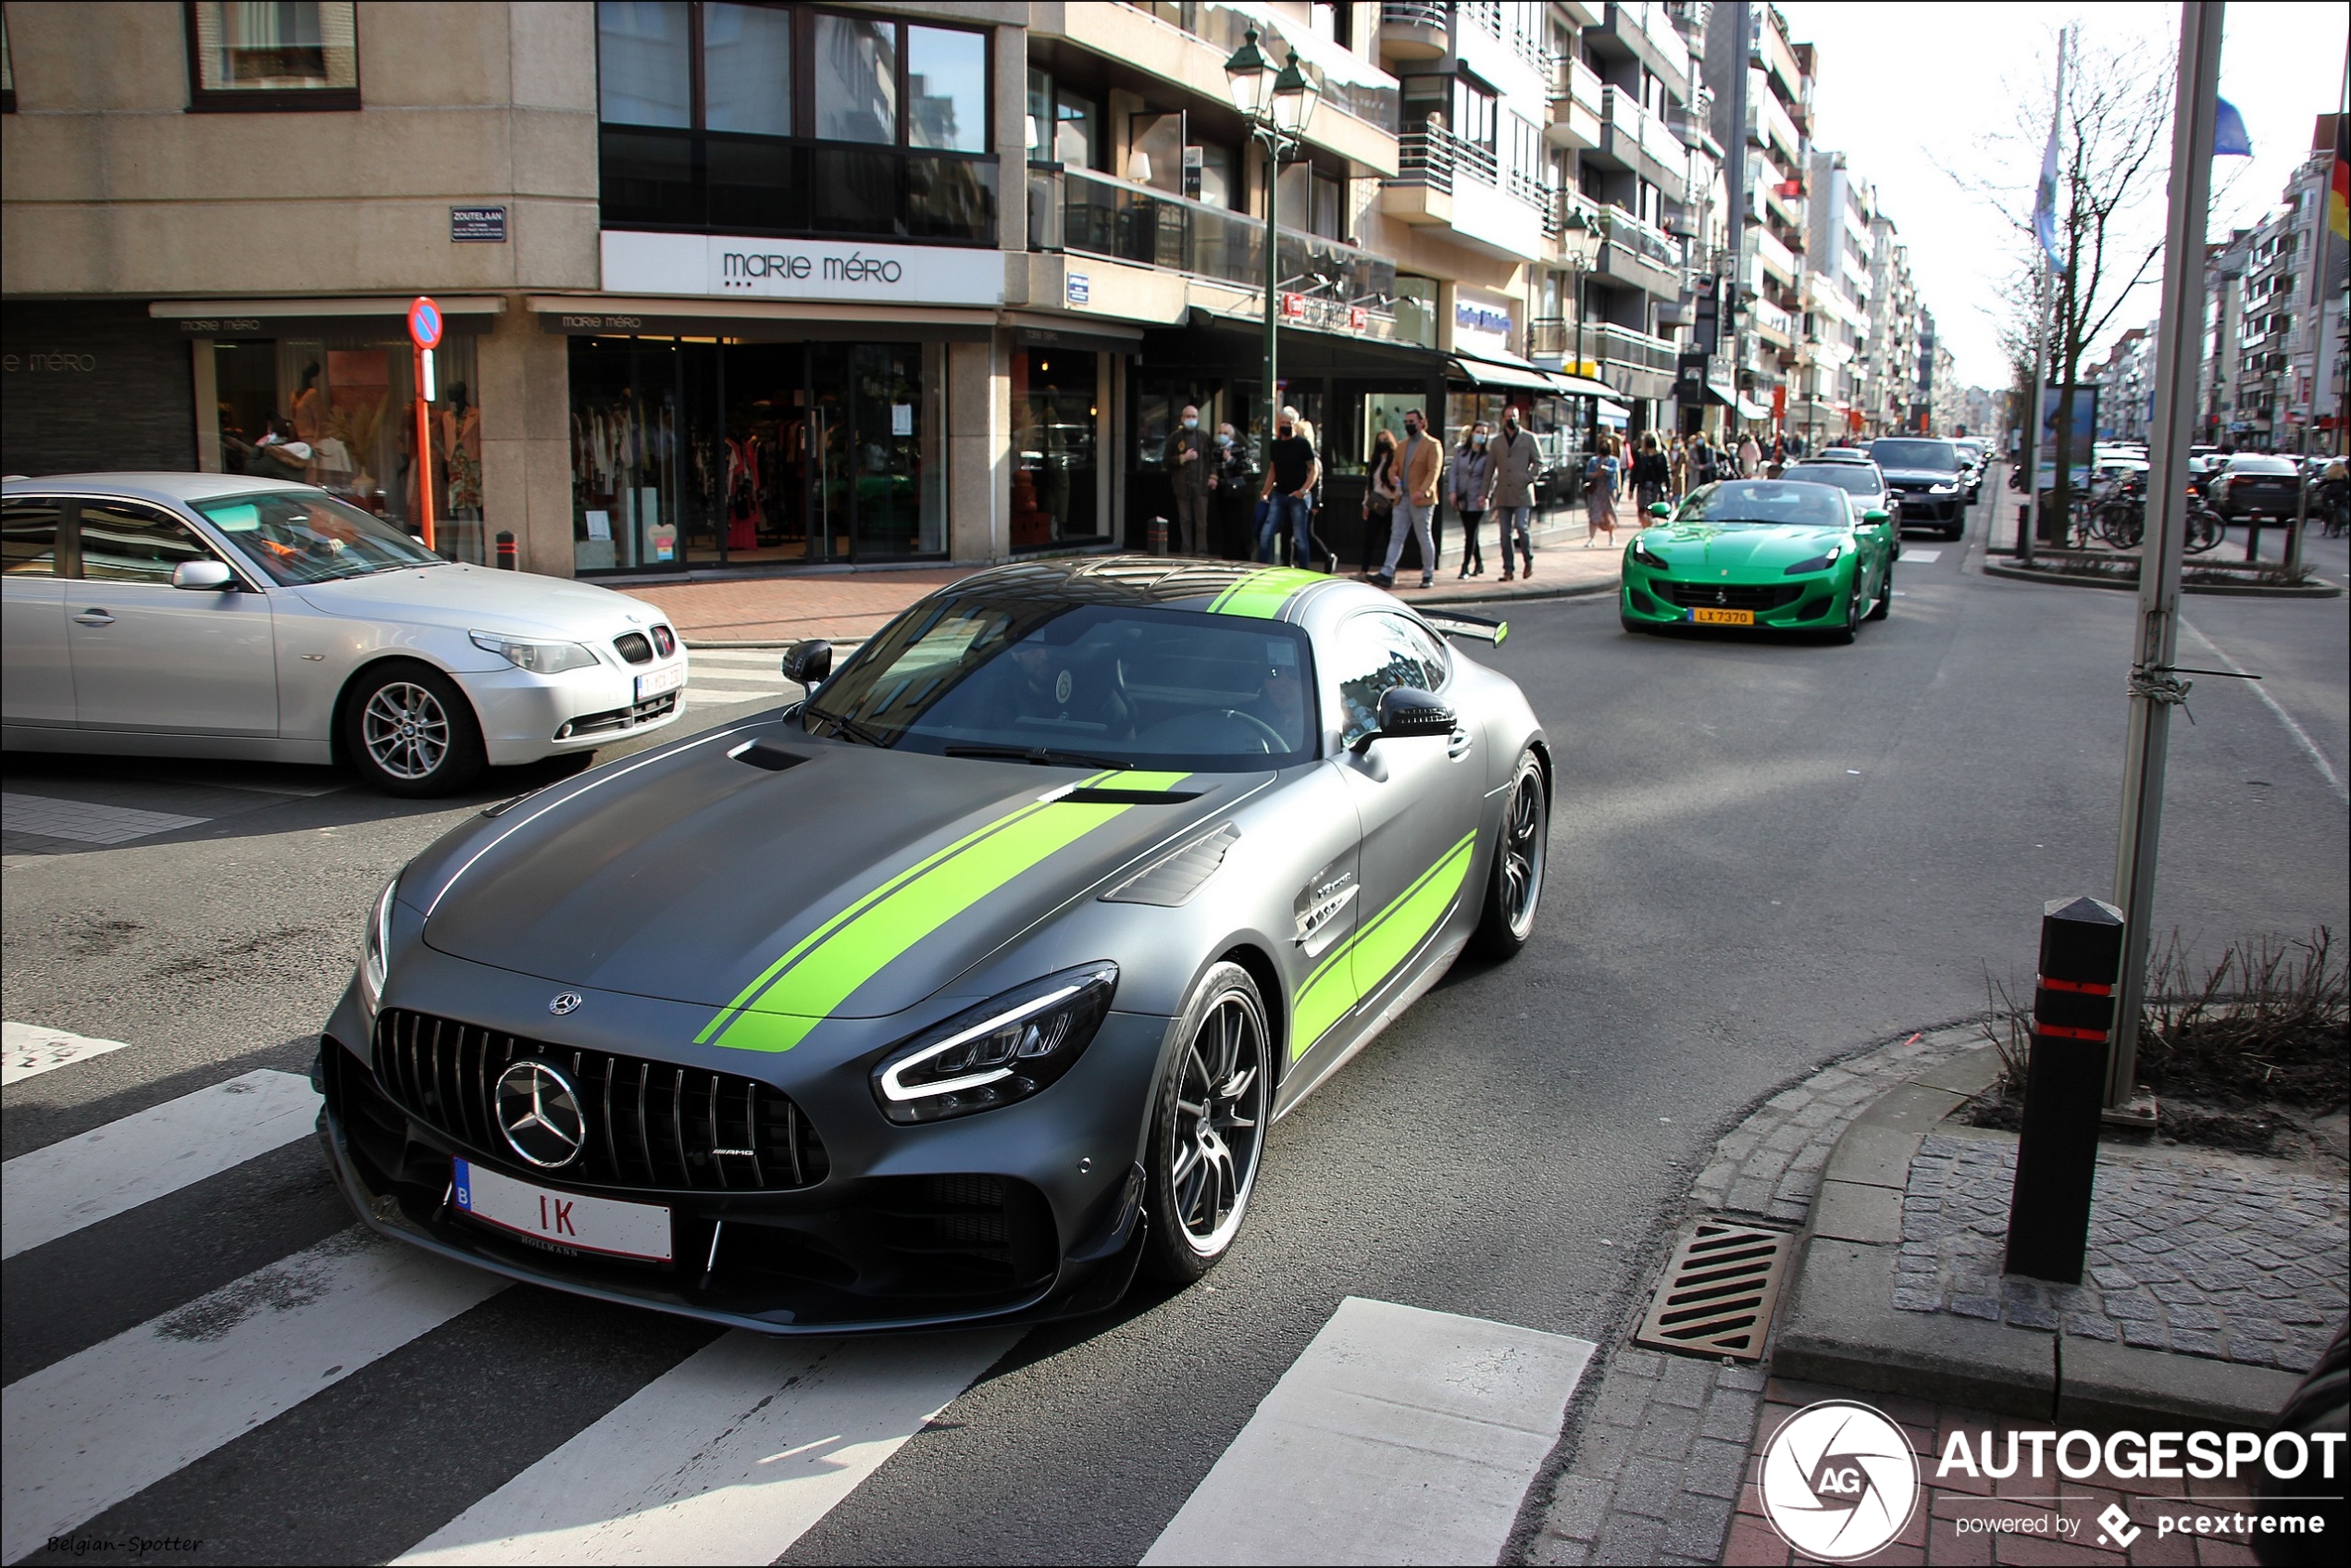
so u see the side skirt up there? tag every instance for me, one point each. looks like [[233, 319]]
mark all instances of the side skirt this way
[[1445, 946]]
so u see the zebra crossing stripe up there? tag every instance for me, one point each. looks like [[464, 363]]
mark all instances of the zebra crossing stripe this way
[[1399, 1436], [27, 1052], [58, 1190], [85, 1433], [728, 1458]]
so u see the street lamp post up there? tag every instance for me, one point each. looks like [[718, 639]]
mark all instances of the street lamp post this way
[[1277, 103], [1581, 242]]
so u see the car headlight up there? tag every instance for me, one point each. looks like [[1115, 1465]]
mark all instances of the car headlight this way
[[1818, 563], [1645, 555], [1943, 489], [1005, 1049], [539, 658], [375, 944]]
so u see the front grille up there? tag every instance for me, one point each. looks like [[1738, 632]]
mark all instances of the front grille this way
[[650, 1124], [633, 647], [1732, 595], [664, 641], [619, 718]]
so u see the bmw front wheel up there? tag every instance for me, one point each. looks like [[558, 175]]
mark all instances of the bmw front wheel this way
[[408, 730], [1208, 1127]]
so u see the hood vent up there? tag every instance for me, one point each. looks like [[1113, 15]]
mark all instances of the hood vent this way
[[1175, 881]]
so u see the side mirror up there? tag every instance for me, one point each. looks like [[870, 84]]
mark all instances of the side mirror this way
[[204, 577], [807, 664], [1660, 510], [1405, 712], [1874, 516]]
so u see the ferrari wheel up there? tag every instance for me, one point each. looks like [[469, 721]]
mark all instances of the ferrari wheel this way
[[1852, 627], [1885, 605], [1514, 890], [1208, 1127]]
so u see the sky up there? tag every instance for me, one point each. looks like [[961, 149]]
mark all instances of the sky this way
[[1909, 91]]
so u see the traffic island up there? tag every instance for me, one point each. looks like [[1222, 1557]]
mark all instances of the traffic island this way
[[2079, 568]]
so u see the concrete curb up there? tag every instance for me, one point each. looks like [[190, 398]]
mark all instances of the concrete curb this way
[[1839, 1325], [2246, 591]]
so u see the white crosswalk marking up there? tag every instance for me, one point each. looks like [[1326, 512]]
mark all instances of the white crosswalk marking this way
[[27, 1052], [1916, 557], [84, 822], [1400, 1436], [83, 1434], [58, 1190], [728, 1458]]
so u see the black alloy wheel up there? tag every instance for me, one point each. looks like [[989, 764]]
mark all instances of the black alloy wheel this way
[[408, 730], [1514, 889], [1208, 1127], [1885, 605], [1852, 627]]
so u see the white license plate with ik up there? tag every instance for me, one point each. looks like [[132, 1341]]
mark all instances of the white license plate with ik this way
[[568, 1219], [655, 683]]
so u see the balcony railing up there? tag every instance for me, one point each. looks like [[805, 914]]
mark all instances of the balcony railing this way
[[1573, 80], [1605, 340], [1100, 216], [1432, 155], [1651, 245], [1624, 111], [1565, 200], [1222, 27], [711, 183]]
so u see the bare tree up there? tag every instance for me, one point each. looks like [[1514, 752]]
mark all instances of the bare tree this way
[[2113, 157]]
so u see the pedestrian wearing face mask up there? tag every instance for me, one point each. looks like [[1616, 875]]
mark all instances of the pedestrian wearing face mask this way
[[1518, 468], [1292, 470], [1229, 482], [1420, 467], [1470, 483], [1191, 459]]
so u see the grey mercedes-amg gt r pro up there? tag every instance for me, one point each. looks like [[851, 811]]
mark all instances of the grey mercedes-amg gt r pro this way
[[962, 988]]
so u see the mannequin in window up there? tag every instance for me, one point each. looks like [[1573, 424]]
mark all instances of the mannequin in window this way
[[461, 439], [309, 414]]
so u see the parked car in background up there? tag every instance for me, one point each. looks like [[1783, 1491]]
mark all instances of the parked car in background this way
[[2255, 483], [223, 615], [1865, 489], [1972, 451], [1927, 474]]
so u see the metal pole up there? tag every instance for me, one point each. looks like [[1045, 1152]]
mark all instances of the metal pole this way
[[2316, 339], [2154, 687], [1273, 288], [1742, 41]]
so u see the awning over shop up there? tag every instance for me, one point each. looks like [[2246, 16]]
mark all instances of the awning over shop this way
[[1487, 371], [1613, 413], [1750, 409], [1580, 386]]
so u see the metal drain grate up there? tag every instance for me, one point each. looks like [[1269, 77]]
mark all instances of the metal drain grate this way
[[1718, 1293]]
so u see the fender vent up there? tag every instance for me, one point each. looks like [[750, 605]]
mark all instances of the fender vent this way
[[1719, 1293]]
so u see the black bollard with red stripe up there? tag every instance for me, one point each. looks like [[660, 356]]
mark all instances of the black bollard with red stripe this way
[[2057, 1153]]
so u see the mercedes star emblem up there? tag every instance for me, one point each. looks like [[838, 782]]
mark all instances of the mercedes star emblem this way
[[539, 1112], [565, 1003]]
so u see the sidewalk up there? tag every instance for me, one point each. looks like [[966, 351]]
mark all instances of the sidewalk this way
[[767, 612]]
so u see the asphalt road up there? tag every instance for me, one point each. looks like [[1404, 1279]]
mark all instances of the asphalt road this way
[[1764, 856]]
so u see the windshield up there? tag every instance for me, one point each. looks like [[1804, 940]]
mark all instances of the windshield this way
[[1768, 501], [1970, 449], [1089, 685], [1940, 456], [1861, 478], [299, 536]]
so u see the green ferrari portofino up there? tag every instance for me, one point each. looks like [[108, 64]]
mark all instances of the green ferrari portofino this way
[[1760, 552]]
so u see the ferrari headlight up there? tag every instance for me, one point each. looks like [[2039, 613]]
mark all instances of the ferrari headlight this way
[[1818, 563], [375, 946], [1645, 555], [1005, 1049], [539, 658]]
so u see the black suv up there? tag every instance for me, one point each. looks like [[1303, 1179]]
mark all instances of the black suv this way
[[1930, 478]]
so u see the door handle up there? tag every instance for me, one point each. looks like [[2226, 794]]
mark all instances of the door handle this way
[[94, 616]]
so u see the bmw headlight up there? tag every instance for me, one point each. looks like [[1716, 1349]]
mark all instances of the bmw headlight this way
[[1005, 1049], [1818, 563], [539, 658], [376, 945]]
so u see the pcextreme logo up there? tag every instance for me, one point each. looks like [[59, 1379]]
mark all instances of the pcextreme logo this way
[[1839, 1480]]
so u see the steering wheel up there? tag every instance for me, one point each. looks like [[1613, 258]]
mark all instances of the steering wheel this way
[[1166, 731]]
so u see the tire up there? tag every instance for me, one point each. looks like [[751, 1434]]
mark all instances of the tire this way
[[1885, 605], [1515, 886], [1205, 1147], [1845, 634], [408, 730]]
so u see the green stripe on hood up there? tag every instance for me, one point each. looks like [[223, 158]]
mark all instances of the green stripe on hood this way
[[1261, 595], [800, 990], [1362, 963]]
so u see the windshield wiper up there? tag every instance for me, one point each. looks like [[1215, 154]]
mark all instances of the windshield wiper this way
[[1043, 756], [844, 725]]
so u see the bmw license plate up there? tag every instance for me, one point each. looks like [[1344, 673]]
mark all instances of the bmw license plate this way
[[1723, 617], [568, 1219], [658, 681]]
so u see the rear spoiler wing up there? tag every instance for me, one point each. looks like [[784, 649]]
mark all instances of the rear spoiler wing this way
[[1478, 626]]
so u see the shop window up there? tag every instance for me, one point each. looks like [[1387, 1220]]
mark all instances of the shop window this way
[[339, 413], [746, 69], [247, 55], [1056, 496]]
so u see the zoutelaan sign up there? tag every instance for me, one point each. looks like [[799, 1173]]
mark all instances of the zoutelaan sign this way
[[722, 267]]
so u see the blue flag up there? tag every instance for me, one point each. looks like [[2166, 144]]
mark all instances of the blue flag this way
[[2229, 139]]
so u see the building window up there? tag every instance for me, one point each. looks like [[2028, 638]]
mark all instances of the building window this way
[[8, 71], [272, 55], [774, 119], [1474, 117]]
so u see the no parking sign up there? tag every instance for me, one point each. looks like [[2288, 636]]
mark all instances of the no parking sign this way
[[424, 322]]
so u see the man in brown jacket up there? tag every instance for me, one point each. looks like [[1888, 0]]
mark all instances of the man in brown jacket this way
[[1190, 462], [1518, 468], [1421, 466]]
